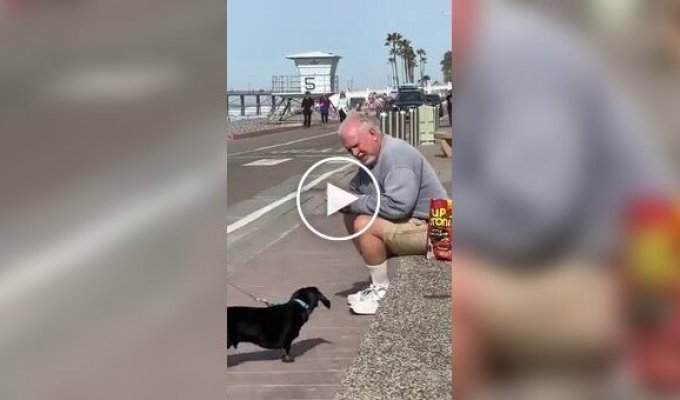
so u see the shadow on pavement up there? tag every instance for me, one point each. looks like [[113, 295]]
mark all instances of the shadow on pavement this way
[[297, 350], [356, 286]]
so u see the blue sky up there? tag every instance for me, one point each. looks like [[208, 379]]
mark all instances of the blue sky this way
[[260, 33]]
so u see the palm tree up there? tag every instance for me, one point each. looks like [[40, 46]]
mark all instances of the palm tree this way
[[391, 61], [446, 66], [425, 79], [394, 56], [404, 64], [405, 51], [411, 58], [392, 41], [421, 61]]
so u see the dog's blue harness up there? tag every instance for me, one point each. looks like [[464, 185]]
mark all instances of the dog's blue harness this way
[[302, 303]]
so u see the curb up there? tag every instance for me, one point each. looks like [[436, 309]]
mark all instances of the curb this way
[[263, 132], [406, 352], [245, 135]]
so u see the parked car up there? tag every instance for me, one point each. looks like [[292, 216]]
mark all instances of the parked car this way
[[408, 87], [433, 100], [408, 99]]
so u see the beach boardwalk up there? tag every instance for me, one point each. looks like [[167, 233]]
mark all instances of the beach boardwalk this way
[[328, 342]]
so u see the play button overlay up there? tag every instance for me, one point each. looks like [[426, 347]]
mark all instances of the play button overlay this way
[[335, 198]]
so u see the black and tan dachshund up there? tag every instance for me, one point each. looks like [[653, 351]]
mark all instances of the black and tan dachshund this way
[[273, 327]]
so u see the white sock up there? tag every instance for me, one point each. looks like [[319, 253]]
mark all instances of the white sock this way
[[379, 274]]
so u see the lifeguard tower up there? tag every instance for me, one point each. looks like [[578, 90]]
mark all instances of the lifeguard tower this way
[[316, 74]]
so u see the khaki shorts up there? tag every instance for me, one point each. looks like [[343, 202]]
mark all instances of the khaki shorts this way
[[406, 238], [566, 311]]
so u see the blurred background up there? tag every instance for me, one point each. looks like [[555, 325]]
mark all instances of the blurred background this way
[[566, 216], [113, 177], [113, 181], [639, 43]]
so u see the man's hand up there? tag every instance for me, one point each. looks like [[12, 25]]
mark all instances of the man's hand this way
[[343, 210]]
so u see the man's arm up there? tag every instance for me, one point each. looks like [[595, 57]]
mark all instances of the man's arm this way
[[398, 200]]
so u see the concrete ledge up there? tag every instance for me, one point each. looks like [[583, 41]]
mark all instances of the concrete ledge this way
[[406, 353], [445, 139], [277, 128], [265, 131]]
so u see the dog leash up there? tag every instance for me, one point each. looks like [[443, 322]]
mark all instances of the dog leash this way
[[265, 301]]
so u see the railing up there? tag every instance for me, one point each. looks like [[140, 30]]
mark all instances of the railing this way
[[294, 84], [416, 126]]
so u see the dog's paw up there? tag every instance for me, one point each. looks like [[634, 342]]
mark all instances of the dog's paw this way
[[287, 358]]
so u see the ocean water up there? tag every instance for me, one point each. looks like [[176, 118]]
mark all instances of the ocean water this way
[[251, 112]]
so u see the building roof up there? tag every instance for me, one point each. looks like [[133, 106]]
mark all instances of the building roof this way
[[313, 54]]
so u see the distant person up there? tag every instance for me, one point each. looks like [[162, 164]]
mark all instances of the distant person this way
[[381, 103], [449, 106], [307, 107], [343, 106], [371, 106], [324, 106], [407, 182], [386, 103]]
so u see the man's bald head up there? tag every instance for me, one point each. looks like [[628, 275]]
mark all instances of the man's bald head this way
[[358, 122], [361, 136]]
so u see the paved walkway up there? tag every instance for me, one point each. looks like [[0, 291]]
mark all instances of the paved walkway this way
[[406, 353], [330, 341]]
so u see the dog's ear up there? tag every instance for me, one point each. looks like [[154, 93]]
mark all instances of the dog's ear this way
[[323, 299]]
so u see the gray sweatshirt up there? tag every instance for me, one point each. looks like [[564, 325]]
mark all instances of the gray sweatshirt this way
[[548, 153], [407, 183]]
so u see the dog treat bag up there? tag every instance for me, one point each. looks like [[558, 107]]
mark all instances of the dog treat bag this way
[[652, 291], [439, 230]]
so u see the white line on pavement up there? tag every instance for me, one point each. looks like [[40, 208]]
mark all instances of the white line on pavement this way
[[282, 144], [72, 250], [267, 162], [262, 211]]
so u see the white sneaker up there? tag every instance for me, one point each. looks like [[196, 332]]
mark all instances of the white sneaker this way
[[372, 292], [365, 306]]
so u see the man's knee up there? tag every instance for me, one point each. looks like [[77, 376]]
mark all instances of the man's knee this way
[[356, 223]]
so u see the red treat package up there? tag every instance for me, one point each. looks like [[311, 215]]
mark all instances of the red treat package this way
[[652, 290], [439, 231]]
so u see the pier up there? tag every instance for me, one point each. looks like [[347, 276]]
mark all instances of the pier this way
[[316, 75], [257, 94]]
